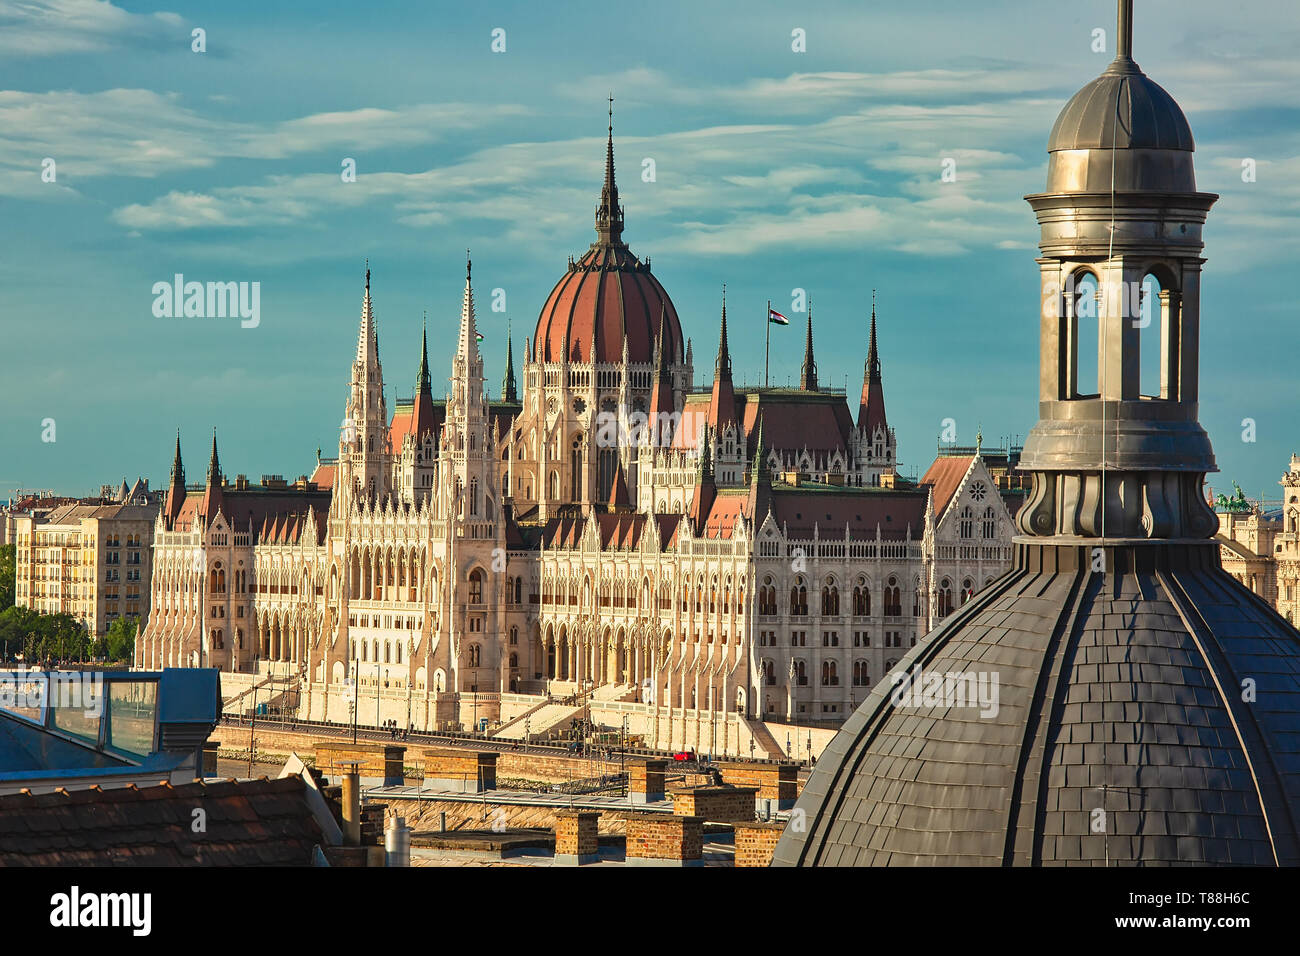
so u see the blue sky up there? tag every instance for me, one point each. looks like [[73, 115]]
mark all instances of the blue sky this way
[[775, 170]]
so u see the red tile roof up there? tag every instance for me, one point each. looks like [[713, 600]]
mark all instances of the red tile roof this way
[[792, 421], [266, 511], [323, 476], [945, 477], [607, 294]]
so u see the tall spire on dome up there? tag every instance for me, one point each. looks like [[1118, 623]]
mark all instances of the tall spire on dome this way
[[509, 390], [609, 214], [808, 378], [1124, 31]]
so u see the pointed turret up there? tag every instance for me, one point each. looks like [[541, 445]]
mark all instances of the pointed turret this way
[[214, 463], [422, 420], [808, 379], [212, 496], [609, 214], [871, 410], [363, 435], [722, 404], [467, 342], [509, 390], [176, 487], [368, 335]]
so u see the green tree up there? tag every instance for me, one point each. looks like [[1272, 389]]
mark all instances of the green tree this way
[[8, 575], [118, 642], [20, 629]]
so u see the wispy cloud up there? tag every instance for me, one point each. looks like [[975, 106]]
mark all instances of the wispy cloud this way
[[33, 28], [142, 133]]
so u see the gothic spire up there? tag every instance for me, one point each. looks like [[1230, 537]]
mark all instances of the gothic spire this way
[[176, 490], [368, 336], [509, 390], [468, 340], [871, 409], [422, 384], [214, 464], [873, 359], [808, 380], [609, 214], [422, 414], [178, 468], [722, 366], [722, 403]]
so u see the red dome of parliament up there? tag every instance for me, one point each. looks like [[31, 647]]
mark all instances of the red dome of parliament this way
[[606, 295]]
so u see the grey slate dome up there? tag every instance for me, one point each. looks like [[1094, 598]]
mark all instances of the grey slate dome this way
[[1132, 684], [1125, 108]]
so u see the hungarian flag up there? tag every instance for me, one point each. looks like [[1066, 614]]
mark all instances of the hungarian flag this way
[[775, 317], [478, 336]]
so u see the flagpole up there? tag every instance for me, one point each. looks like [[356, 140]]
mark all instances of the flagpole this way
[[767, 349]]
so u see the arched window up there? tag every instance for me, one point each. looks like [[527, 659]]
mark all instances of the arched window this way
[[830, 598], [893, 598], [473, 496], [799, 598], [990, 522], [861, 674], [945, 598], [830, 676], [476, 586], [967, 526], [861, 599], [967, 590], [514, 635]]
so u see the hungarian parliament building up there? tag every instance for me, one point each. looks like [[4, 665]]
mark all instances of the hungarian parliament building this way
[[715, 568]]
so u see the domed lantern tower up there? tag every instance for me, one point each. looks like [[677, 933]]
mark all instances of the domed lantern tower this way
[[1121, 205], [1116, 698]]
